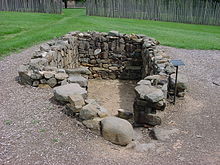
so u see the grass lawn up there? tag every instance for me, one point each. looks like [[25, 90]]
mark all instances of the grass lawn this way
[[22, 30]]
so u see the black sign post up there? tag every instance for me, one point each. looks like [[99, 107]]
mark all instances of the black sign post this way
[[176, 63]]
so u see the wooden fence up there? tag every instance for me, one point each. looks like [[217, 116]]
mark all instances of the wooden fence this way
[[186, 11], [80, 4], [42, 6]]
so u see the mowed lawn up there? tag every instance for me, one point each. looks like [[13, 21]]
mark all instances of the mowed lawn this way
[[22, 30]]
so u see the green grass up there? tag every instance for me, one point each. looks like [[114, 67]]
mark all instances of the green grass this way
[[22, 30]]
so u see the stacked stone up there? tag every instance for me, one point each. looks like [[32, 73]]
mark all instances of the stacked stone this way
[[148, 100], [92, 115], [157, 64], [155, 61], [182, 82], [62, 53], [52, 76], [106, 56], [112, 55], [152, 91], [47, 65]]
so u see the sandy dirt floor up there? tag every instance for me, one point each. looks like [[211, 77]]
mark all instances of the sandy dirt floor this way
[[35, 131], [113, 94]]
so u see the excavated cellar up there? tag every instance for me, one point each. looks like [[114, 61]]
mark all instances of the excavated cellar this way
[[74, 62]]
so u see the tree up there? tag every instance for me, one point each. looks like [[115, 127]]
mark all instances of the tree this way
[[65, 2]]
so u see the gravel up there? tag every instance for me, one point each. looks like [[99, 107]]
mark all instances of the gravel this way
[[34, 130]]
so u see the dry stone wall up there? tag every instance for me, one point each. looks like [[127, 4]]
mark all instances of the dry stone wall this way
[[111, 55], [107, 56], [68, 62]]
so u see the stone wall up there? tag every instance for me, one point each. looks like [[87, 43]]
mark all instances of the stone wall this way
[[113, 55], [71, 60], [48, 64], [107, 55], [62, 53]]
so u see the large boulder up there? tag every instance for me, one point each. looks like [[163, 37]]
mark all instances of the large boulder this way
[[62, 93], [117, 131], [149, 93]]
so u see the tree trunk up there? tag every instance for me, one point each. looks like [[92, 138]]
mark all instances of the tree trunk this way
[[65, 2]]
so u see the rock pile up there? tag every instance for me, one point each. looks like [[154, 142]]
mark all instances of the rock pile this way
[[150, 96], [97, 118]]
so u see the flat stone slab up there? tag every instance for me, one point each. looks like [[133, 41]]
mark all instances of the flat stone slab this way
[[77, 78], [62, 93], [149, 93]]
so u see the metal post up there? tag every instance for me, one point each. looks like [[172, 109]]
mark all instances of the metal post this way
[[174, 99]]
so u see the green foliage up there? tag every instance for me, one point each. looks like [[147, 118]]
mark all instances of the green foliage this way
[[35, 121], [8, 122], [55, 140], [22, 30], [42, 130]]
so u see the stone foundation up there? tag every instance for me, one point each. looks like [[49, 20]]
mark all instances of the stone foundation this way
[[76, 57], [107, 55]]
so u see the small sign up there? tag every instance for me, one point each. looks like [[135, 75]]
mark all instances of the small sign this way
[[177, 62]]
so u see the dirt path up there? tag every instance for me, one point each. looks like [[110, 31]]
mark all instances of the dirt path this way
[[35, 131]]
